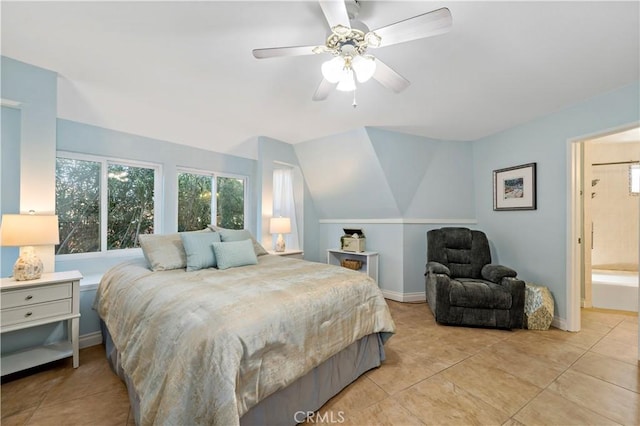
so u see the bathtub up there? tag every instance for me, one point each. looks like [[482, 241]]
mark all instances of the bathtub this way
[[614, 289]]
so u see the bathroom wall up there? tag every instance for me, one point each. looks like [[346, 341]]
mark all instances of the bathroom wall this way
[[615, 212]]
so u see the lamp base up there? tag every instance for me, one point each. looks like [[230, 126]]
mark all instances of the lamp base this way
[[280, 244], [28, 266]]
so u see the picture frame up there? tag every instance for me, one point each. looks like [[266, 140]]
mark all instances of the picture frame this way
[[514, 188]]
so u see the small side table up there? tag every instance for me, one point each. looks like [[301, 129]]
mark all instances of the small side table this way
[[369, 260], [53, 297]]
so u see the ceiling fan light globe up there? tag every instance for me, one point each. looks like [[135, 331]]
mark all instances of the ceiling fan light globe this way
[[333, 69], [364, 66], [347, 83]]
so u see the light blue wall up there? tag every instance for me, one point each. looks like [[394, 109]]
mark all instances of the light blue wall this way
[[27, 151], [87, 139], [271, 152], [28, 168], [388, 183], [9, 193], [428, 178], [535, 242]]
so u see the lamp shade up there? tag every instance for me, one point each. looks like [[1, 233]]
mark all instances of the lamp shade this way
[[280, 225], [364, 66], [29, 230], [346, 83], [333, 69]]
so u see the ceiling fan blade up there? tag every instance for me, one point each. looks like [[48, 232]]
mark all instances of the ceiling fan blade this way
[[389, 78], [274, 52], [336, 13], [421, 26], [323, 90]]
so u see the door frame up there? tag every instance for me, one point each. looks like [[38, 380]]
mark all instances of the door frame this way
[[575, 238]]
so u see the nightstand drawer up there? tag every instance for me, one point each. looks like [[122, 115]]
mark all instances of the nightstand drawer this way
[[35, 312], [33, 295]]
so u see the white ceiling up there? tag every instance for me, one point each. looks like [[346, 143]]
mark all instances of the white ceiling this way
[[184, 72]]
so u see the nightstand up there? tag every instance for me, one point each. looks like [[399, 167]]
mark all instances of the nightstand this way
[[369, 260], [24, 304], [295, 254]]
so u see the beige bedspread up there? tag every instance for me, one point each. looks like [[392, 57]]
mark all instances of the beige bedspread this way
[[203, 347]]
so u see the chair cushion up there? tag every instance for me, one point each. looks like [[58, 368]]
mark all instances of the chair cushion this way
[[476, 293]]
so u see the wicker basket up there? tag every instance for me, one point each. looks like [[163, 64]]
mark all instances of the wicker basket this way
[[351, 264]]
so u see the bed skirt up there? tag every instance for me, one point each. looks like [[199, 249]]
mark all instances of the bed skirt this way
[[292, 404]]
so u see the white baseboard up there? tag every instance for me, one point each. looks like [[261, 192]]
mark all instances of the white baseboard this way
[[404, 297], [560, 323], [90, 339]]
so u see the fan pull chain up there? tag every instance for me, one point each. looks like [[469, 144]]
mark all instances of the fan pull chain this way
[[354, 104]]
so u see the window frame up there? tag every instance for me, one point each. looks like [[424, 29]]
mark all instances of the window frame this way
[[632, 167], [158, 201], [214, 189]]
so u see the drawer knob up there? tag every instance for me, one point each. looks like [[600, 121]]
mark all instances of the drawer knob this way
[[28, 314], [29, 297]]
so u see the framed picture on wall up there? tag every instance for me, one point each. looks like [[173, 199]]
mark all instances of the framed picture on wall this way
[[514, 188]]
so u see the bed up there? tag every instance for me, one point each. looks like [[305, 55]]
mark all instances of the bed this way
[[262, 343]]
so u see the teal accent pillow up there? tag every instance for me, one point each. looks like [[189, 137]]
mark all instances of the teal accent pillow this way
[[197, 246], [234, 253]]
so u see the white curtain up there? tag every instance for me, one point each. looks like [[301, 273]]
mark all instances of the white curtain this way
[[284, 205]]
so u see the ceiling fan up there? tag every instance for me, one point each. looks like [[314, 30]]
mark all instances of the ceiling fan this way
[[349, 41]]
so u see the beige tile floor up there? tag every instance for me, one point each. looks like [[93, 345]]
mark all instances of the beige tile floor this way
[[433, 375]]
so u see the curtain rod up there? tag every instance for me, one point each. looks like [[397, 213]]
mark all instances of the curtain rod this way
[[617, 162]]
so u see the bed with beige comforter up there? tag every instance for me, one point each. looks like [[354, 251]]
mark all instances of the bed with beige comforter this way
[[204, 347]]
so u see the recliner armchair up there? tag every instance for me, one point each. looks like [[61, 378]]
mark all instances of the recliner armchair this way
[[464, 288]]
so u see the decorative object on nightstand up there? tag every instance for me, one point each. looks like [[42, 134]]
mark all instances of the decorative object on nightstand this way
[[353, 240], [26, 231], [25, 304], [280, 225]]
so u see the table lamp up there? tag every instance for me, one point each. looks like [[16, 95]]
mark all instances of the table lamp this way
[[280, 225], [26, 231]]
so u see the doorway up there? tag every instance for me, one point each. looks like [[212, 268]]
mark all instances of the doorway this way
[[612, 207], [585, 186]]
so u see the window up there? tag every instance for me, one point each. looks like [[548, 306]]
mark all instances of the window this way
[[634, 179], [104, 204], [197, 208], [284, 203], [78, 205]]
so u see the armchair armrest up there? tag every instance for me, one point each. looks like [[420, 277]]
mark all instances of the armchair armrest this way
[[437, 268], [495, 273]]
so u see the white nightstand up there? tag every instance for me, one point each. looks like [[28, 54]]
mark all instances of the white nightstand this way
[[369, 260], [53, 297], [295, 254]]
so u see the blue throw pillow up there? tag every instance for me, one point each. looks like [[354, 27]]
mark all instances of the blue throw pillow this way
[[234, 253], [197, 246]]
